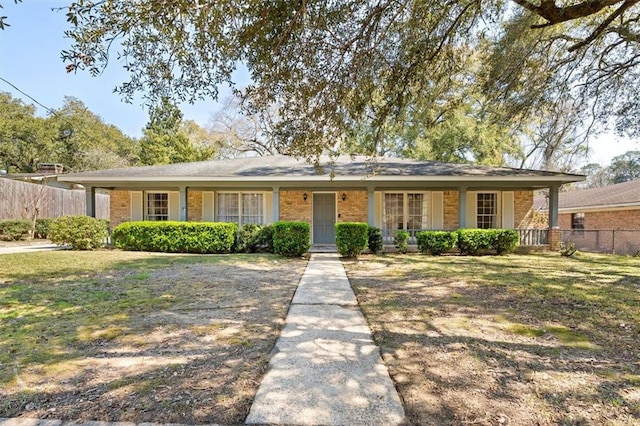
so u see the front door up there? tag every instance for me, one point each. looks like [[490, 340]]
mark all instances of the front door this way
[[324, 218]]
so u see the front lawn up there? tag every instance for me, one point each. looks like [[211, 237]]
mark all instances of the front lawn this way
[[130, 336], [497, 340]]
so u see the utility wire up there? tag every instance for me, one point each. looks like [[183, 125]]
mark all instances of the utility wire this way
[[29, 96]]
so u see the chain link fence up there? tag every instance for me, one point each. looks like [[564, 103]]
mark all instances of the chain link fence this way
[[616, 241]]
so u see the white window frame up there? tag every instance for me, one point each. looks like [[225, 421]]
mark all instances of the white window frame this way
[[425, 217], [240, 195], [145, 206], [496, 214]]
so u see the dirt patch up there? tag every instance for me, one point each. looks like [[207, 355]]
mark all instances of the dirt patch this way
[[184, 343], [468, 343]]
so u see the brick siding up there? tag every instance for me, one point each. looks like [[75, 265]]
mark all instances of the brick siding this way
[[451, 218], [523, 209], [194, 206], [354, 208], [616, 219], [294, 207], [119, 207]]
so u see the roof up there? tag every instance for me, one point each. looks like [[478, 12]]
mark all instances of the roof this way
[[344, 168], [618, 195]]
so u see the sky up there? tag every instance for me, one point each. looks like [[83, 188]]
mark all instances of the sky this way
[[30, 59]]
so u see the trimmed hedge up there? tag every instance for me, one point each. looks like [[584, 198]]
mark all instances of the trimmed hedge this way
[[436, 242], [13, 230], [254, 238], [42, 227], [375, 240], [351, 238], [473, 241], [291, 239], [176, 237], [80, 232]]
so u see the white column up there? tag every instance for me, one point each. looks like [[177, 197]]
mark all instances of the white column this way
[[462, 207], [276, 203]]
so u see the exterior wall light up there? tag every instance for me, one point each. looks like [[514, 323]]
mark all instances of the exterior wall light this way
[[344, 196], [304, 196]]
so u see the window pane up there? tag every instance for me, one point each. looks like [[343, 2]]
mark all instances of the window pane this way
[[157, 206], [416, 219], [393, 214], [487, 209], [228, 208], [252, 211], [577, 221]]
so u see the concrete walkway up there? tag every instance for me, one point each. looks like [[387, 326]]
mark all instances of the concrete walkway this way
[[326, 369], [32, 248]]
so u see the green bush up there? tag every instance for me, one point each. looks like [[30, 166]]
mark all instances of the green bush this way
[[374, 239], [176, 237], [80, 232], [13, 230], [249, 238], [265, 239], [473, 241], [400, 240], [291, 238], [351, 238], [42, 227], [506, 240], [436, 242]]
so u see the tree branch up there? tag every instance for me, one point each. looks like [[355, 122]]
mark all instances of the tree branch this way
[[603, 26], [555, 14]]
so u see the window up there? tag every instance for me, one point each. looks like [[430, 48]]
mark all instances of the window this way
[[241, 208], [407, 211], [577, 221], [157, 206], [487, 210]]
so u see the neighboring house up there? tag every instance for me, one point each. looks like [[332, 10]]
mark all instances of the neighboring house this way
[[603, 219], [389, 193]]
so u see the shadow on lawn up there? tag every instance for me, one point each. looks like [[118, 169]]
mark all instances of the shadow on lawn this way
[[168, 338], [492, 340]]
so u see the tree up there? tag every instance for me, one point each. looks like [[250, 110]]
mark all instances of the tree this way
[[25, 140], [165, 140], [625, 167], [85, 142], [333, 67], [597, 176]]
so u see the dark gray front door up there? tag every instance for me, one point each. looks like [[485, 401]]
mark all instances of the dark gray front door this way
[[324, 218]]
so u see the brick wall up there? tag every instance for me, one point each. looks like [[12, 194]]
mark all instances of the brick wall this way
[[120, 207], [616, 219], [294, 207], [194, 206], [523, 209], [354, 208], [451, 218]]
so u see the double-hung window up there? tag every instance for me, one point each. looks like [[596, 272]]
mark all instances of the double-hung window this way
[[405, 211], [487, 210], [240, 207], [157, 207]]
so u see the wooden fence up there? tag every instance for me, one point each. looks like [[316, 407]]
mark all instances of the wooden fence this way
[[24, 200]]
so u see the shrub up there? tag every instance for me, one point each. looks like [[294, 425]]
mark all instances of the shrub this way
[[291, 238], [436, 242], [351, 238], [374, 240], [80, 232], [42, 227], [176, 237], [568, 249], [248, 238], [400, 240], [472, 241], [265, 239], [15, 229], [506, 240]]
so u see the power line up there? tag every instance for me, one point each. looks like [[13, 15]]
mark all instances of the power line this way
[[51, 111]]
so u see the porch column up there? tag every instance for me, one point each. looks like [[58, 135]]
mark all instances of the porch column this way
[[276, 203], [554, 229], [370, 207], [462, 207], [183, 204], [90, 201]]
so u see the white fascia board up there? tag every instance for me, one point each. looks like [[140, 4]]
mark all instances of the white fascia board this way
[[302, 179]]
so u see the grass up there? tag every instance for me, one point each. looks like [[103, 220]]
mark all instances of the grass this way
[[533, 338], [112, 335]]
